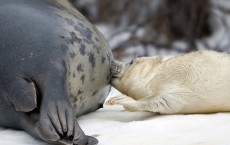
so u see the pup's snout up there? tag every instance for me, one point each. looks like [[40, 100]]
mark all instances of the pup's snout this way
[[117, 69]]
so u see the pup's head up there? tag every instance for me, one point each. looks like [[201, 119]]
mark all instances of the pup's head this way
[[127, 76], [118, 69]]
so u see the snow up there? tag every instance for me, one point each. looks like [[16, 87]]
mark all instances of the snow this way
[[118, 127], [112, 125]]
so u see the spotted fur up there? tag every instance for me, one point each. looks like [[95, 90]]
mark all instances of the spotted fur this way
[[86, 76]]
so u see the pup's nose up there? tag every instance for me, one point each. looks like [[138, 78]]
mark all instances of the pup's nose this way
[[131, 62]]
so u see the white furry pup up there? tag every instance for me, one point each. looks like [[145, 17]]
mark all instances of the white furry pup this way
[[197, 82]]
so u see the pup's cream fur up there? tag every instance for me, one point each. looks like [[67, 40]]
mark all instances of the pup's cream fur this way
[[197, 82]]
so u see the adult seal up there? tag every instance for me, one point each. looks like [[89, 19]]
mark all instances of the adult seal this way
[[54, 65]]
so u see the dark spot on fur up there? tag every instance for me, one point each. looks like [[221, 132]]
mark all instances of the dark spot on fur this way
[[80, 68], [82, 79], [69, 21], [72, 55], [64, 48], [85, 32], [74, 75], [82, 49], [74, 38], [97, 48], [96, 39], [79, 92], [92, 59], [95, 92], [74, 98], [103, 59], [67, 40]]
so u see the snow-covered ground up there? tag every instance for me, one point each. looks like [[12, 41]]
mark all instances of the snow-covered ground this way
[[112, 125]]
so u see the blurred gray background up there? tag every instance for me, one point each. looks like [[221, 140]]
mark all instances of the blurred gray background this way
[[137, 28]]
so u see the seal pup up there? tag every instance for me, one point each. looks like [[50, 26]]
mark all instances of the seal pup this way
[[54, 65], [196, 82]]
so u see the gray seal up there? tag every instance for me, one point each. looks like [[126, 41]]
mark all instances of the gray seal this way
[[54, 65]]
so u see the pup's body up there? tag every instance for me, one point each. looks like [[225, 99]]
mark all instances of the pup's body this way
[[197, 82]]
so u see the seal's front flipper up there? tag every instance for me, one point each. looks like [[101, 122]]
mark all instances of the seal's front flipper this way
[[22, 94]]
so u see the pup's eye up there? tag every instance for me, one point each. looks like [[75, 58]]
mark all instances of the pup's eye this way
[[131, 62]]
